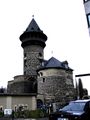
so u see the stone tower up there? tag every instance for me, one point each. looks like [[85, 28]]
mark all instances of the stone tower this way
[[55, 82], [33, 43]]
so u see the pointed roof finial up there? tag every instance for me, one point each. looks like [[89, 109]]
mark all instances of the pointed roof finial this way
[[32, 16], [52, 53], [33, 27]]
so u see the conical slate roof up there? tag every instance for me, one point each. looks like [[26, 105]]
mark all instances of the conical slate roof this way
[[33, 35], [54, 63], [33, 26]]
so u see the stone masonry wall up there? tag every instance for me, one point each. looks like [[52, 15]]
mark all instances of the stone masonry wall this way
[[56, 85], [32, 59], [22, 84]]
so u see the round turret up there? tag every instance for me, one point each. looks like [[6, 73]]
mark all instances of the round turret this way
[[33, 43], [33, 35]]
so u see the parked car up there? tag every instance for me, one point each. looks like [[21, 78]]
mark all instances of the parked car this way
[[75, 110]]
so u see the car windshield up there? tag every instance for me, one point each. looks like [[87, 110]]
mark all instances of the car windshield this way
[[74, 106]]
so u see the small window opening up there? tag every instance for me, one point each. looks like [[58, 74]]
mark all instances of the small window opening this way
[[40, 54], [43, 79], [41, 74], [25, 55], [88, 19], [24, 72], [25, 61]]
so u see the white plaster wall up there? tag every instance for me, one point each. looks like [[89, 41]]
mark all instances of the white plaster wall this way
[[8, 102]]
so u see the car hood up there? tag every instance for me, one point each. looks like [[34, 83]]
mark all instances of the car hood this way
[[78, 113]]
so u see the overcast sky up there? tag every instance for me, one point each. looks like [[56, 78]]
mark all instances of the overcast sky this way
[[63, 21]]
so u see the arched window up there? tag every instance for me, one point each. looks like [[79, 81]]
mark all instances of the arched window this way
[[39, 103]]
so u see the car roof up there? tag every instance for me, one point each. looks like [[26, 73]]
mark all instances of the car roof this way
[[85, 100]]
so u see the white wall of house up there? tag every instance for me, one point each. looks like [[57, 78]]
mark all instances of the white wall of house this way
[[10, 102]]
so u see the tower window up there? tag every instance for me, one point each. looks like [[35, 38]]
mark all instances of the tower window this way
[[40, 54], [25, 61], [43, 79], [25, 56], [88, 19], [38, 74], [24, 72], [41, 74]]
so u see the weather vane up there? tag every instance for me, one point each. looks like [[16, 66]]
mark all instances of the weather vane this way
[[52, 52]]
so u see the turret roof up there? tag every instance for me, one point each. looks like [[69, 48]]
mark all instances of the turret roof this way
[[33, 26], [54, 63], [33, 35]]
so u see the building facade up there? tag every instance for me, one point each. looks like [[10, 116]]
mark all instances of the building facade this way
[[55, 82], [14, 101], [43, 81], [33, 43], [87, 11]]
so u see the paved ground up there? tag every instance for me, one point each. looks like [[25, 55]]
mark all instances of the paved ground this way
[[33, 119], [23, 119]]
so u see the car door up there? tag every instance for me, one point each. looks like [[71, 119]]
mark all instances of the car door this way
[[87, 111]]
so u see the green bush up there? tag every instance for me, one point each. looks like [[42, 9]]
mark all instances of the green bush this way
[[30, 114], [36, 113], [1, 113]]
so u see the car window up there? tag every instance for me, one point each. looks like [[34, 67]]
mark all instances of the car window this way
[[74, 106], [87, 106]]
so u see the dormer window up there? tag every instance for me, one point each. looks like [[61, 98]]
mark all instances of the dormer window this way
[[66, 65]]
